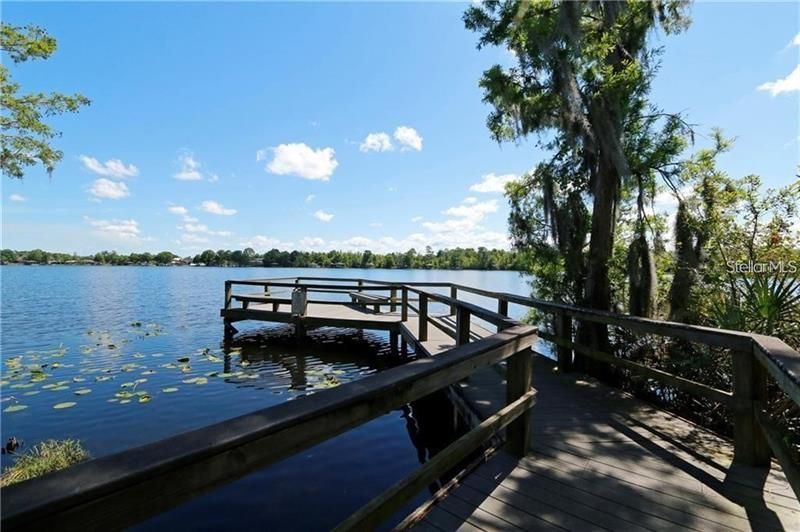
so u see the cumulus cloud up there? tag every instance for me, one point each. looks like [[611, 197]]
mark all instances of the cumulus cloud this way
[[408, 138], [177, 209], [323, 216], [189, 168], [106, 189], [215, 208], [309, 243], [201, 228], [111, 168], [474, 212], [189, 238], [300, 160], [492, 183], [376, 142], [310, 198], [262, 243], [17, 198], [123, 230], [790, 83], [416, 219]]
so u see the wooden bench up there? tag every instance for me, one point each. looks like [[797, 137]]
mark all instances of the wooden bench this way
[[365, 299], [246, 299]]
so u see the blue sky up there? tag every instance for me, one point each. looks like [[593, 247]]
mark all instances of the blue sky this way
[[319, 126]]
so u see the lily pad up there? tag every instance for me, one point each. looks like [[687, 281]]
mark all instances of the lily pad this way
[[123, 395], [124, 401], [15, 408], [59, 388], [201, 380], [169, 390], [32, 392], [83, 391], [145, 398], [67, 404], [149, 372]]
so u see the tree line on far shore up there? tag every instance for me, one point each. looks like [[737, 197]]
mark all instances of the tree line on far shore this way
[[447, 259]]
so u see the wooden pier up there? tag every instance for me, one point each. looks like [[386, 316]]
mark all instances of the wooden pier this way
[[578, 455]]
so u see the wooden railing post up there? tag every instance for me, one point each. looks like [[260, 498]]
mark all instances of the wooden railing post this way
[[228, 294], [502, 307], [462, 326], [749, 389], [266, 289], [393, 295], [454, 295], [519, 371], [404, 305], [563, 328], [360, 284], [423, 317]]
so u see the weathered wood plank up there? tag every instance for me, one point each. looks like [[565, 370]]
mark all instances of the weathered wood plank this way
[[374, 512]]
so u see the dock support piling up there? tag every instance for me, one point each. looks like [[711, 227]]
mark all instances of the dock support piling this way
[[519, 370], [393, 341], [749, 389], [393, 295]]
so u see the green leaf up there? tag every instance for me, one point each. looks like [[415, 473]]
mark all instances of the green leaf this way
[[169, 390], [83, 391], [67, 404], [15, 408]]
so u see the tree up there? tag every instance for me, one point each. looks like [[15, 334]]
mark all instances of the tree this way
[[25, 138], [581, 84]]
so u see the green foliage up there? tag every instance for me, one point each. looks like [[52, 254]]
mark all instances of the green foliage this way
[[25, 139], [456, 259], [46, 457], [581, 85]]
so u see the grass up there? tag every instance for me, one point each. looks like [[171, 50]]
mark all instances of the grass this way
[[46, 457]]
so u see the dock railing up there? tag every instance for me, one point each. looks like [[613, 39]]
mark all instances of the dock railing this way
[[755, 357], [122, 489]]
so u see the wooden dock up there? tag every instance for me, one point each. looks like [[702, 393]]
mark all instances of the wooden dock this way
[[603, 460], [558, 450]]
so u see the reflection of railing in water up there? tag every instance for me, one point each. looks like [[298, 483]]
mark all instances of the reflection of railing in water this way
[[118, 490]]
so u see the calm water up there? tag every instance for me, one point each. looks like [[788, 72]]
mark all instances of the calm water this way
[[131, 355]]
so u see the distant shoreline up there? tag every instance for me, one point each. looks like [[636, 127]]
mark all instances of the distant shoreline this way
[[234, 266]]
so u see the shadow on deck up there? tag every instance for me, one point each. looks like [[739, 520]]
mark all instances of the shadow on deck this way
[[603, 460]]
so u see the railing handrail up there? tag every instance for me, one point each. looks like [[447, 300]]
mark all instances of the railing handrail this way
[[124, 488]]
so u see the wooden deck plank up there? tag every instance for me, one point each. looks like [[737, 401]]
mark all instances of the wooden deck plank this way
[[602, 457]]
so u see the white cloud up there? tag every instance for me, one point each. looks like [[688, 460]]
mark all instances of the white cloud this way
[[376, 142], [323, 216], [189, 238], [470, 200], [300, 160], [189, 168], [261, 243], [795, 41], [17, 197], [492, 183], [308, 242], [125, 230], [177, 209], [191, 227], [213, 178], [110, 168], [310, 198], [474, 212], [790, 83], [215, 208], [416, 219], [408, 138], [106, 189]]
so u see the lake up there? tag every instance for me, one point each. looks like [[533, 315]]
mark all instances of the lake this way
[[122, 356]]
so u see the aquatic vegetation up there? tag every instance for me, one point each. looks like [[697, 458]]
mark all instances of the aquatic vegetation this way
[[169, 390], [82, 391], [46, 457], [67, 404], [15, 408]]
